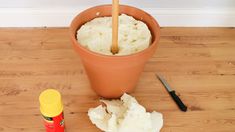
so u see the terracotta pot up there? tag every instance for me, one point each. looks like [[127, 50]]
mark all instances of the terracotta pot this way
[[111, 76]]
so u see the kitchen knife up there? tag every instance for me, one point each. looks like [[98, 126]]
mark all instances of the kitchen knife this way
[[172, 93]]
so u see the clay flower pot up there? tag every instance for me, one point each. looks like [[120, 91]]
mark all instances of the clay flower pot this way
[[111, 76]]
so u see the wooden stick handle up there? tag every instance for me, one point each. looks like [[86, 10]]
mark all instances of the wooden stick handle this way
[[115, 14]]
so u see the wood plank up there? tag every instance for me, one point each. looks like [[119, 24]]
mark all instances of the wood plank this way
[[199, 63]]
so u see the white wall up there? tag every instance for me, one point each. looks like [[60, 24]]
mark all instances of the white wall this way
[[168, 12], [138, 3]]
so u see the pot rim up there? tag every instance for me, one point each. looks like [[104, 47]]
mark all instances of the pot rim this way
[[79, 46]]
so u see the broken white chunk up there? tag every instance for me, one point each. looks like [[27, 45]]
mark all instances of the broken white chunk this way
[[125, 115], [157, 121], [99, 117]]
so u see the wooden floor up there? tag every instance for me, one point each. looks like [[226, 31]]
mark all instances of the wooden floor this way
[[199, 63]]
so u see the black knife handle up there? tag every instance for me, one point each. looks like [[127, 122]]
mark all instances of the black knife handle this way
[[178, 101]]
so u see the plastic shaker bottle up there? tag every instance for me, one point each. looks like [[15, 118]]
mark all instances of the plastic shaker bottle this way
[[51, 108]]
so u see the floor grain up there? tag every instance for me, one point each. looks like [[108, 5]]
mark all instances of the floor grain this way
[[199, 63]]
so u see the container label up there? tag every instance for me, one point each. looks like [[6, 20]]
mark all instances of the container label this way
[[54, 124]]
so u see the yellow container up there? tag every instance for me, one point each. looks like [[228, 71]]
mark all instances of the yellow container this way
[[50, 103]]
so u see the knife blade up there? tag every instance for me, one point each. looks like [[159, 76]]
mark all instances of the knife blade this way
[[176, 98]]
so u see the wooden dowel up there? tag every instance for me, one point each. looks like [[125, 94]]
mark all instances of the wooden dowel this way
[[115, 14]]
